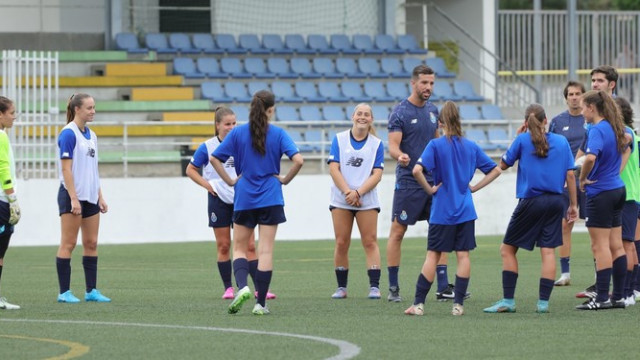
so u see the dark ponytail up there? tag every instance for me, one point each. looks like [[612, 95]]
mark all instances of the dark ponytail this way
[[535, 122], [259, 120]]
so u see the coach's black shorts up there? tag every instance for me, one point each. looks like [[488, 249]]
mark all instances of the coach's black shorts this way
[[270, 215], [64, 204], [536, 221], [605, 209]]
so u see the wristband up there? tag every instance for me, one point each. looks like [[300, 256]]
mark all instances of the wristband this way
[[357, 193]]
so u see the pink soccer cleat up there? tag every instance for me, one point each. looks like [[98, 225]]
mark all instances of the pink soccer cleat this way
[[270, 295], [228, 294]]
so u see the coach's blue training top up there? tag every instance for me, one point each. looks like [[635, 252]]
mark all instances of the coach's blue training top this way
[[453, 163], [418, 126], [258, 186], [571, 127], [334, 153], [537, 175], [606, 170]]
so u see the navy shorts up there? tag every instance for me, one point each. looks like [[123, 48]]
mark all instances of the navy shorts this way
[[411, 206], [448, 238], [629, 220], [536, 221], [220, 213], [5, 229], [64, 204], [582, 202], [270, 215], [605, 209]]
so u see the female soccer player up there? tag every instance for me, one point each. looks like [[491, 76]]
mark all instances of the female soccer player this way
[[356, 161], [256, 148], [9, 208], [80, 198], [452, 160], [545, 165]]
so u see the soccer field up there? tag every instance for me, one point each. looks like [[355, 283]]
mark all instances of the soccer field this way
[[167, 305]]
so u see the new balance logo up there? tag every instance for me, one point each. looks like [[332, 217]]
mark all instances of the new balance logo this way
[[91, 152], [355, 161]]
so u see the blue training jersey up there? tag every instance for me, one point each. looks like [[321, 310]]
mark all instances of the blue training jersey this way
[[258, 186], [418, 126], [67, 142], [537, 175], [571, 127], [334, 153], [453, 163], [602, 143]]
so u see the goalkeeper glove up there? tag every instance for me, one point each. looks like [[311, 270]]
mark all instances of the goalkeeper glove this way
[[14, 209]]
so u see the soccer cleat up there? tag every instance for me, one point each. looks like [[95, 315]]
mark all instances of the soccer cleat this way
[[96, 296], [630, 300], [449, 294], [228, 294], [589, 292], [542, 307], [394, 294], [636, 294], [592, 304], [457, 310], [618, 304], [564, 280], [341, 293], [67, 297], [502, 306], [260, 310], [374, 293], [242, 296], [417, 310], [270, 295], [4, 304]]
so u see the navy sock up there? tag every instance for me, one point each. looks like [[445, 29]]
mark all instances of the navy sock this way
[[374, 277], [90, 265], [253, 268], [546, 285], [224, 267], [241, 271], [460, 289], [422, 289], [64, 273], [263, 280], [603, 277], [619, 272], [628, 280], [564, 264], [393, 275], [509, 280], [637, 243], [342, 275], [0, 271], [634, 281], [443, 278]]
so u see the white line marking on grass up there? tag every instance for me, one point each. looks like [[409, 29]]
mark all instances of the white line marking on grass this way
[[347, 349]]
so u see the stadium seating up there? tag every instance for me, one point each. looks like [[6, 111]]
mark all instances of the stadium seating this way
[[376, 91], [491, 112], [353, 91], [237, 91], [310, 113], [257, 68], [129, 42], [242, 112], [464, 89], [387, 44], [213, 91], [297, 138], [233, 67], [182, 43], [255, 86], [439, 67], [498, 137], [319, 44], [314, 136], [442, 91], [333, 113], [210, 67], [410, 63], [363, 43], [371, 68], [325, 67], [273, 43], [302, 67], [469, 112], [228, 43], [286, 113], [341, 43], [280, 67], [479, 137], [380, 112], [348, 68], [206, 44], [331, 92], [158, 43], [307, 91], [296, 43], [251, 43], [383, 134], [392, 67], [284, 92], [187, 68], [398, 90], [408, 43]]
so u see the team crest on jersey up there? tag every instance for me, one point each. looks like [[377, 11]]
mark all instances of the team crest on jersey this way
[[403, 215], [432, 117], [214, 217]]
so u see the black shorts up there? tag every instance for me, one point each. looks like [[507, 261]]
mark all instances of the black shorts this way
[[220, 213], [5, 229], [270, 215], [605, 209], [448, 238], [582, 202], [410, 206], [64, 204], [629, 220], [536, 221]]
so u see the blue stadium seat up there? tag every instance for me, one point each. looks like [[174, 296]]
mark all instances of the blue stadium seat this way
[[307, 91], [364, 44], [213, 91], [233, 67], [315, 138], [325, 67], [319, 44], [206, 44], [302, 67], [255, 86], [380, 112], [465, 90], [310, 113], [286, 113], [410, 63], [297, 138], [250, 43], [158, 43], [371, 68], [333, 113], [242, 112], [376, 91], [392, 67], [237, 91], [491, 112], [257, 68], [228, 43], [353, 91], [469, 112], [383, 134], [129, 42], [341, 43], [398, 90], [330, 91], [280, 67], [438, 65], [182, 43], [348, 67], [284, 92], [442, 91], [187, 68], [499, 138], [409, 44], [296, 43], [211, 68], [387, 44], [479, 137], [274, 44]]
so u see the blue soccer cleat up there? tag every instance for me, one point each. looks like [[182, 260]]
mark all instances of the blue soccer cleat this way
[[502, 306], [543, 307], [96, 296], [67, 297]]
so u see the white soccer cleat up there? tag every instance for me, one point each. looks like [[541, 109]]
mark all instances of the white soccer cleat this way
[[4, 304], [564, 280]]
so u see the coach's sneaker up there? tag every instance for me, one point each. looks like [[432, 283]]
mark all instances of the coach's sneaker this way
[[417, 310], [4, 304], [242, 296], [630, 300], [592, 304], [374, 293], [67, 297], [564, 280], [270, 295], [260, 310], [449, 294], [96, 296], [228, 294], [589, 292], [457, 310], [341, 293], [502, 306], [542, 307], [394, 294]]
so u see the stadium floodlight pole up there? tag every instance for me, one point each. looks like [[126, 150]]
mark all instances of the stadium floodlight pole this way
[[572, 40]]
